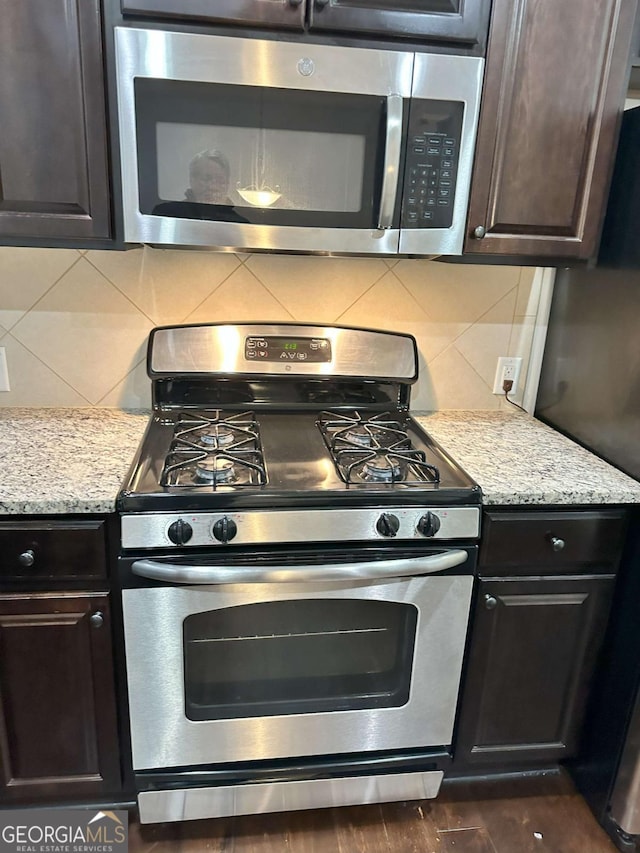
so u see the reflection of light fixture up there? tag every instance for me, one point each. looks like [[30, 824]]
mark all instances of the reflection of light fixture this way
[[259, 198], [258, 193]]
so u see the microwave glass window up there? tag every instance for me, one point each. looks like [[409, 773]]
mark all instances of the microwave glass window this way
[[261, 167], [296, 657], [252, 154]]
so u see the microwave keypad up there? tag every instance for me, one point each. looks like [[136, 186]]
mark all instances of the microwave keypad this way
[[431, 165]]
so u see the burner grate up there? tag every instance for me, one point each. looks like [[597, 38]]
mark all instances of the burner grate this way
[[215, 449], [374, 449]]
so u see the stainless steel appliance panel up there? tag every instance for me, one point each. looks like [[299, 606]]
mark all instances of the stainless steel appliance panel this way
[[625, 798], [163, 737], [150, 530], [227, 801], [448, 78], [249, 62], [220, 349]]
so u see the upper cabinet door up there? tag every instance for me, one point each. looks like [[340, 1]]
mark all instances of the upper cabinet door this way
[[264, 13], [449, 20], [53, 163], [554, 88]]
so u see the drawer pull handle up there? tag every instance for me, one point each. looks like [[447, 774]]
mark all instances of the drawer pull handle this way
[[97, 620], [490, 602], [556, 543], [27, 558]]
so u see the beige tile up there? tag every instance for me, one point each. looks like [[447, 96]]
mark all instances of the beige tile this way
[[133, 392], [434, 338], [25, 275], [242, 298], [456, 293], [457, 385], [32, 382], [384, 305], [488, 338], [528, 291], [165, 284], [86, 331], [316, 289]]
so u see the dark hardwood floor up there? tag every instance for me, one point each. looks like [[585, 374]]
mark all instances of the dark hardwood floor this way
[[515, 816]]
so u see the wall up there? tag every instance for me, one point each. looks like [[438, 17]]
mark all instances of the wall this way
[[75, 324]]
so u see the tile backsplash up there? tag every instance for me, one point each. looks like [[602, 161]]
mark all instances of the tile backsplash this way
[[75, 324]]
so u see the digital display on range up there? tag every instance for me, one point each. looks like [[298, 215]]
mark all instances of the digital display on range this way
[[288, 350]]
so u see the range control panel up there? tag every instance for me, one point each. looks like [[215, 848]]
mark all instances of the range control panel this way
[[433, 152], [259, 527], [296, 349]]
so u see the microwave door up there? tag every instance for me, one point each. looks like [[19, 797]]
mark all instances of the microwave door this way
[[443, 122], [213, 156]]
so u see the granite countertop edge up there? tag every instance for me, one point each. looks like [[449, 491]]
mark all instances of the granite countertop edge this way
[[73, 461]]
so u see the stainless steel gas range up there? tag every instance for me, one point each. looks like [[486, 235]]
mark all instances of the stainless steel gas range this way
[[296, 565]]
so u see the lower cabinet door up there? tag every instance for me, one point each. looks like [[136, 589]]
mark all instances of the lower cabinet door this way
[[58, 724], [534, 649]]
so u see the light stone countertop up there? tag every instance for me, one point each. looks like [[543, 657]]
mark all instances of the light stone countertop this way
[[516, 459], [56, 461]]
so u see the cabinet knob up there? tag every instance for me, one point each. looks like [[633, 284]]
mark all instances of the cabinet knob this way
[[556, 543], [490, 602], [27, 558], [97, 620], [479, 232]]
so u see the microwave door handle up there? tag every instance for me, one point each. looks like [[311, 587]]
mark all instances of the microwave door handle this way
[[392, 149], [370, 570]]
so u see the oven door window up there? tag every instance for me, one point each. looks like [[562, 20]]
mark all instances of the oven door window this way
[[258, 155], [297, 657]]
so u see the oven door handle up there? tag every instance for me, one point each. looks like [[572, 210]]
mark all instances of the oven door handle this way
[[391, 168], [370, 570]]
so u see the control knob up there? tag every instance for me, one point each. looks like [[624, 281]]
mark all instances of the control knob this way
[[429, 524], [180, 532], [224, 529], [388, 524]]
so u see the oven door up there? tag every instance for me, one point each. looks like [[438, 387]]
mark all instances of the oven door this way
[[242, 143], [283, 668]]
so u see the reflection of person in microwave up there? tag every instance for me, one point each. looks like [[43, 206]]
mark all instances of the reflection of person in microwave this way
[[207, 196], [209, 178]]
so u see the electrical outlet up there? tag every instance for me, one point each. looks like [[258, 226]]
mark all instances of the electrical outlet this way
[[4, 373], [508, 368]]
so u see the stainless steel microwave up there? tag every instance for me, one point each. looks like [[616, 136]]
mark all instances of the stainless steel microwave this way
[[249, 144]]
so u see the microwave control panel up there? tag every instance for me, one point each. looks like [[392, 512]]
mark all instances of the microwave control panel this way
[[433, 151]]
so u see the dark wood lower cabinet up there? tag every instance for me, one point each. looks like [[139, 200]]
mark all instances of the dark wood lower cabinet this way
[[58, 728], [534, 649]]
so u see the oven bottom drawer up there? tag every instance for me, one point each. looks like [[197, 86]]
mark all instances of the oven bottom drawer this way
[[231, 800]]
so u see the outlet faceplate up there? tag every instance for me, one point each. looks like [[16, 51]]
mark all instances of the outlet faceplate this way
[[508, 368]]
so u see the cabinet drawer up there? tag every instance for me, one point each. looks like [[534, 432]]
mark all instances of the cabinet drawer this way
[[521, 543], [56, 550]]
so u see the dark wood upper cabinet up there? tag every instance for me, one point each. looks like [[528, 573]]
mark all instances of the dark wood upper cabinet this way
[[53, 155], [454, 21], [449, 20], [554, 88], [265, 13]]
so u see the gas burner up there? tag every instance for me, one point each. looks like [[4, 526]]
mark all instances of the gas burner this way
[[374, 449], [360, 437], [215, 449], [216, 469], [221, 437], [381, 469]]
